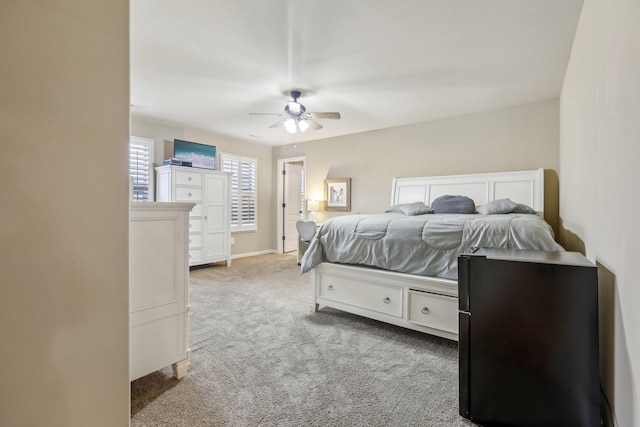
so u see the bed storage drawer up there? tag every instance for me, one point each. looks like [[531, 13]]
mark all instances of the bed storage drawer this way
[[433, 310], [359, 293]]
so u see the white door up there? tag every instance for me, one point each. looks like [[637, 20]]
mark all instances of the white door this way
[[292, 204]]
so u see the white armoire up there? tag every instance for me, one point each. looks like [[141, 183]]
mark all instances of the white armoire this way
[[209, 220]]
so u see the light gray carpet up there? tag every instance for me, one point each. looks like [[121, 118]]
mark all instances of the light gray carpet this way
[[260, 357]]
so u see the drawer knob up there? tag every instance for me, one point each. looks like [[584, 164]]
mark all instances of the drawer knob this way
[[189, 179], [386, 300], [425, 310], [330, 287], [189, 194], [189, 240]]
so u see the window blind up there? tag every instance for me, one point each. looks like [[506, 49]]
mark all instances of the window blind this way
[[141, 169], [244, 194]]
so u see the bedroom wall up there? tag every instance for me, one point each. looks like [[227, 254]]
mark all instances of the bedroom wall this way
[[599, 177], [64, 121], [516, 138], [246, 243]]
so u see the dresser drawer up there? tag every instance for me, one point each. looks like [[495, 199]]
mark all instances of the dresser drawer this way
[[188, 194], [195, 255], [433, 311], [195, 240], [195, 225], [359, 293], [188, 178], [197, 210]]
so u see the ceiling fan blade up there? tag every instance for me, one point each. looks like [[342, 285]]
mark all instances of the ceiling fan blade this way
[[266, 114], [278, 124], [324, 115], [314, 125]]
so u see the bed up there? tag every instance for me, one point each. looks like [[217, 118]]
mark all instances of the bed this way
[[400, 266]]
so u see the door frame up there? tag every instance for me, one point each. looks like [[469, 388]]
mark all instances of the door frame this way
[[280, 197]]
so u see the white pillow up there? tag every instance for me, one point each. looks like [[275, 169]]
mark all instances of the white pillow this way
[[415, 208], [501, 206]]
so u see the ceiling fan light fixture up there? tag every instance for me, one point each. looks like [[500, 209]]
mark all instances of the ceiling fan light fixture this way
[[290, 125], [294, 108], [296, 119], [303, 125]]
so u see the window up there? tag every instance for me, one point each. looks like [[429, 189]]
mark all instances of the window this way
[[244, 193], [141, 168]]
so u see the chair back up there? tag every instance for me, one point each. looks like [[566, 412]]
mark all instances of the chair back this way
[[306, 230]]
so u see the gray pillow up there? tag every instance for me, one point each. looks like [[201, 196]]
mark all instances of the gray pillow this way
[[524, 209], [415, 208], [453, 204], [501, 206]]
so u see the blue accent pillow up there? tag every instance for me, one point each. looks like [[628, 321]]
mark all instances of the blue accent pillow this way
[[453, 204]]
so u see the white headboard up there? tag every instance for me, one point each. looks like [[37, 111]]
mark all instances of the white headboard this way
[[525, 187]]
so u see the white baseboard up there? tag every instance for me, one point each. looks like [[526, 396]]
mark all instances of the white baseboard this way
[[268, 251]]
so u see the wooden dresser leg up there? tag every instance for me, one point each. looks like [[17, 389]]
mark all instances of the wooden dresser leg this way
[[180, 368]]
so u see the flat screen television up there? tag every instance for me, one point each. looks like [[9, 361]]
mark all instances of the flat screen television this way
[[200, 155]]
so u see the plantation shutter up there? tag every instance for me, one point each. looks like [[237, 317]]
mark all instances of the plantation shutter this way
[[244, 197], [141, 168]]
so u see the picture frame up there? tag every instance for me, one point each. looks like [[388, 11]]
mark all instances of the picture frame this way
[[196, 154], [337, 194]]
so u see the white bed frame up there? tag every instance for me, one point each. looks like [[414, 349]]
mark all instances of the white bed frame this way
[[426, 304]]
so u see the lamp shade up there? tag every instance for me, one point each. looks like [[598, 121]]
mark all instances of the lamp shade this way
[[313, 205]]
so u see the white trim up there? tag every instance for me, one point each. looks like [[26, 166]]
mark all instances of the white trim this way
[[250, 254]]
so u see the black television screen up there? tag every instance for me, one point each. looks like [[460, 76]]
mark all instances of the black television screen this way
[[200, 155]]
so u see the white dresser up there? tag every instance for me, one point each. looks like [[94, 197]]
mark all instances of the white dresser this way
[[209, 221], [158, 288]]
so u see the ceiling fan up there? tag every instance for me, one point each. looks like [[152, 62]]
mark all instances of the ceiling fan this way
[[296, 118]]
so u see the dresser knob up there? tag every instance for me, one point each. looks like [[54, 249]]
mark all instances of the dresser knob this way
[[189, 179], [189, 194], [425, 310], [189, 240], [330, 287], [386, 300]]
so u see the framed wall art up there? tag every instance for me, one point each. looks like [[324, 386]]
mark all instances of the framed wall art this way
[[337, 194]]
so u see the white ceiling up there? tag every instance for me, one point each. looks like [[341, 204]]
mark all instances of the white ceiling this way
[[380, 63]]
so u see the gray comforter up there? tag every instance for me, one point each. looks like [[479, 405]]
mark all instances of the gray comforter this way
[[426, 245]]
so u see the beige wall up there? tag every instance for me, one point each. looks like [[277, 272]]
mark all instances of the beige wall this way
[[64, 118], [518, 138], [599, 176], [246, 243]]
